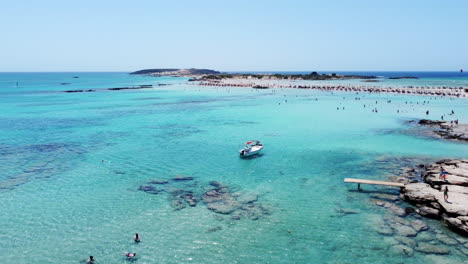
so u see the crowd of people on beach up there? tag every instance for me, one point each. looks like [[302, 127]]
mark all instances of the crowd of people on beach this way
[[419, 90], [128, 255], [359, 91]]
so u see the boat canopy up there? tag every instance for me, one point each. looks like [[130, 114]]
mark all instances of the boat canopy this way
[[252, 142]]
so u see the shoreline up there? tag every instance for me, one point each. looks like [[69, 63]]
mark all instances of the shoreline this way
[[447, 91], [449, 130], [406, 214], [427, 195]]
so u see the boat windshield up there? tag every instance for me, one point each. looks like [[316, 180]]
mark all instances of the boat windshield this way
[[253, 143]]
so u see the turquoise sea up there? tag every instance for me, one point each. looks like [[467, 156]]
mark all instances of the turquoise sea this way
[[72, 163]]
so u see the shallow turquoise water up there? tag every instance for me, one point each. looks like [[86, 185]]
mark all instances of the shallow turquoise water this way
[[72, 163]]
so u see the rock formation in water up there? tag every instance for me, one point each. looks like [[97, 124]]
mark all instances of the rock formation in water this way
[[429, 195], [143, 86], [183, 192], [445, 129], [403, 77]]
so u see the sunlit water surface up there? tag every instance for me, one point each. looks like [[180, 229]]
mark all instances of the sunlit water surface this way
[[71, 165]]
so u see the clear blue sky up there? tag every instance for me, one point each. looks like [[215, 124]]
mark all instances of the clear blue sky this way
[[101, 35]]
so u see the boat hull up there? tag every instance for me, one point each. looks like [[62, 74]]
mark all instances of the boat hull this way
[[254, 150]]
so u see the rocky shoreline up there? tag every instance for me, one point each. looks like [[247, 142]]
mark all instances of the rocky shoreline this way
[[406, 220], [448, 130], [428, 195]]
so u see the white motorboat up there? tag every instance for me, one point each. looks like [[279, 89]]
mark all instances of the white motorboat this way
[[251, 148]]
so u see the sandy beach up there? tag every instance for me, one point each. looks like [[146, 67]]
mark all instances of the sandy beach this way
[[449, 91]]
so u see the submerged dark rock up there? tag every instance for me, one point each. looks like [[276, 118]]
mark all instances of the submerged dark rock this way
[[129, 88], [395, 209], [346, 211], [217, 198], [177, 204], [403, 250], [239, 205], [419, 225], [79, 91], [149, 189], [190, 199], [410, 210], [158, 182], [146, 188], [182, 178], [217, 184], [403, 77], [384, 196], [143, 86], [432, 249], [214, 229], [223, 207]]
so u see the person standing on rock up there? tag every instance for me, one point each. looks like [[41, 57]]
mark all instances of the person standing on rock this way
[[446, 194], [443, 175]]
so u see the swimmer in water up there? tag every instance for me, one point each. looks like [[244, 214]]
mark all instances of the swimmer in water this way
[[136, 238], [90, 260], [130, 255]]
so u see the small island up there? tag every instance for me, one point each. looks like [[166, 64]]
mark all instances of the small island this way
[[313, 76], [175, 72], [210, 75]]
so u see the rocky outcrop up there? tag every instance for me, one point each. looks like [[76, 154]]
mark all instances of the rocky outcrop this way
[[446, 129], [457, 223], [429, 195]]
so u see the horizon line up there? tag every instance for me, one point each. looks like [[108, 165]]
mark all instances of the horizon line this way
[[79, 71]]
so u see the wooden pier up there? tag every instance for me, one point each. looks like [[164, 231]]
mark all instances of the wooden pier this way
[[359, 181]]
